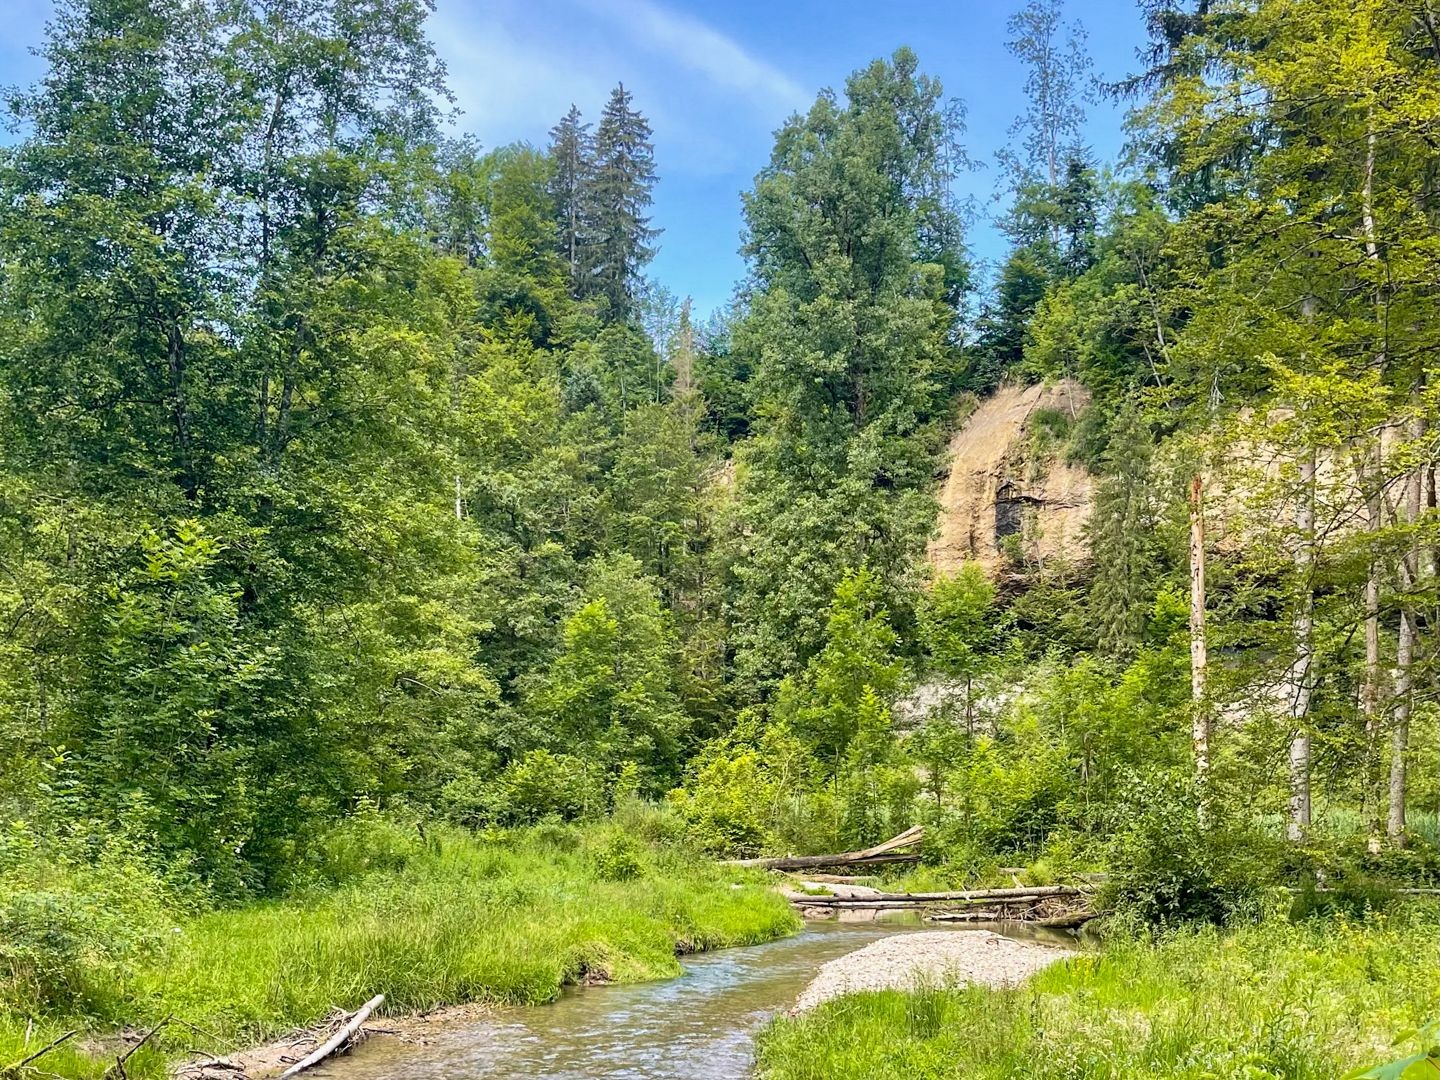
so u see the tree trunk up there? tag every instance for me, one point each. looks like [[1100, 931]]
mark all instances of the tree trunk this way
[[179, 407], [1370, 485], [1199, 656], [1300, 669], [1405, 647], [1370, 689]]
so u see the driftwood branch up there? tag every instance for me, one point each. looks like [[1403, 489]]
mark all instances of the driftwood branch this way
[[118, 1069], [887, 852], [12, 1069], [347, 1030]]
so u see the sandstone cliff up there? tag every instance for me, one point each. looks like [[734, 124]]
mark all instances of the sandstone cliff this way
[[997, 486]]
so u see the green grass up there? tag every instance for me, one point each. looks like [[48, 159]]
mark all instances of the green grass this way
[[1306, 1002], [513, 920]]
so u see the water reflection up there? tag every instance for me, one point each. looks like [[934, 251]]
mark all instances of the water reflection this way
[[700, 1026]]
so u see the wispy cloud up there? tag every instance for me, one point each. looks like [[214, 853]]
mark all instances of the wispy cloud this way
[[685, 40], [508, 85]]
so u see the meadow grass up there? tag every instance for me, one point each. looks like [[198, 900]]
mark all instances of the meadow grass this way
[[1307, 1001], [511, 919]]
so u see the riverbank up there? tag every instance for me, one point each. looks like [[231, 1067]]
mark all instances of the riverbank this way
[[511, 918], [1308, 1001]]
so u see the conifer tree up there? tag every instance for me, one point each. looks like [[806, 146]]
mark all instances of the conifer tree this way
[[616, 206], [1120, 537], [572, 150]]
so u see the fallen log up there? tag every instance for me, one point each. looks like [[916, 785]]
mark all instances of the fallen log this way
[[983, 915], [887, 852], [1069, 920], [347, 1030], [1024, 893], [843, 892]]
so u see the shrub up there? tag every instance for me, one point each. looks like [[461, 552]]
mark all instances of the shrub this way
[[1166, 867], [533, 787], [73, 928], [724, 807], [620, 858], [362, 843]]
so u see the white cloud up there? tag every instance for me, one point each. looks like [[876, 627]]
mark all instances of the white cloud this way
[[701, 48], [506, 86]]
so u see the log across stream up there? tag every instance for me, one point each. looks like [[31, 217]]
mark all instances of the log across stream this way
[[700, 1026]]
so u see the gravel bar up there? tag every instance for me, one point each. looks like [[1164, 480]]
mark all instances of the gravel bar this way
[[940, 958]]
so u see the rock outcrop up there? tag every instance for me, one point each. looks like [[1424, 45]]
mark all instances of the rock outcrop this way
[[997, 487]]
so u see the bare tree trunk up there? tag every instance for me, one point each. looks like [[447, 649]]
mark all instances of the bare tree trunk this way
[[1374, 506], [1300, 668], [1370, 689], [1405, 649], [1199, 657]]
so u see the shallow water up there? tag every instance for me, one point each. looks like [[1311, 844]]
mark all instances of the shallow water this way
[[700, 1026]]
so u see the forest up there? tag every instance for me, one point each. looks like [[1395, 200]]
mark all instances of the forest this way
[[384, 552]]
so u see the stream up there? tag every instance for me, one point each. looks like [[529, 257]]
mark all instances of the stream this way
[[700, 1026]]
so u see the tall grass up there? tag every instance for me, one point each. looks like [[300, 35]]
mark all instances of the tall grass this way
[[1307, 1001], [510, 919]]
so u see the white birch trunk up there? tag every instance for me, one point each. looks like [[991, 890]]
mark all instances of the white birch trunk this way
[[1199, 657], [1405, 649], [1299, 677]]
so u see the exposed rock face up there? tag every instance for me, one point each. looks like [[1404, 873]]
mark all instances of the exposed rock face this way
[[994, 490]]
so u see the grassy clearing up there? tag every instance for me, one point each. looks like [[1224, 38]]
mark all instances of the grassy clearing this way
[[1302, 1001], [506, 920]]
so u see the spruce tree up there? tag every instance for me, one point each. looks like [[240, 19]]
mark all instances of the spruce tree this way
[[1120, 537], [616, 207], [572, 150]]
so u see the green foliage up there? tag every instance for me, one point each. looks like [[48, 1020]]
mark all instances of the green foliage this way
[[1176, 859], [611, 687], [73, 924], [619, 859], [752, 791], [856, 665], [958, 622], [1412, 1067], [1122, 538], [1310, 1002], [364, 842], [537, 785], [857, 270]]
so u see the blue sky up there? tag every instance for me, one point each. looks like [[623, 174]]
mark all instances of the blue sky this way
[[715, 80]]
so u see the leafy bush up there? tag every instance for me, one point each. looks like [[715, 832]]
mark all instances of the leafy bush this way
[[72, 927], [535, 786], [724, 807], [620, 858], [362, 843], [756, 790], [1167, 867]]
